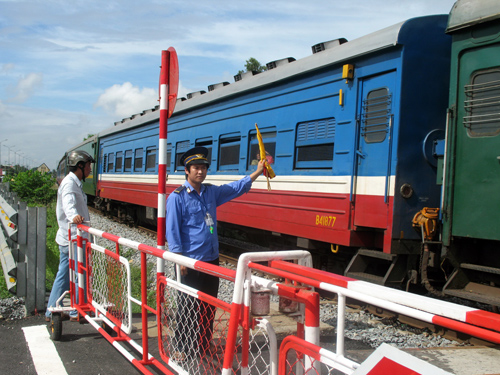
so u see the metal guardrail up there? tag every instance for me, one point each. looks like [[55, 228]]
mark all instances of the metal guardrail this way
[[202, 334], [23, 234]]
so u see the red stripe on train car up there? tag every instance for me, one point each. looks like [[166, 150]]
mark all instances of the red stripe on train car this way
[[319, 216], [136, 193]]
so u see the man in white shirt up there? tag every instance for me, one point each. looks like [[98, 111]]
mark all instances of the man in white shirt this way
[[71, 208]]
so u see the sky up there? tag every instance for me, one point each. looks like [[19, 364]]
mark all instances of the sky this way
[[73, 68]]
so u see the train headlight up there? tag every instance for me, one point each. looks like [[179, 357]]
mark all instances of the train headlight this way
[[406, 191]]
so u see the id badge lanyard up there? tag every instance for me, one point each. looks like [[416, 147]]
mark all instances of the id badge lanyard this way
[[209, 221]]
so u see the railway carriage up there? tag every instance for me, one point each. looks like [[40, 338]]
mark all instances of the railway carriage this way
[[351, 131], [128, 168], [470, 215]]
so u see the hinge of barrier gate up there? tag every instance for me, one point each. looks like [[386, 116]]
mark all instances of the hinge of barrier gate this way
[[289, 298]]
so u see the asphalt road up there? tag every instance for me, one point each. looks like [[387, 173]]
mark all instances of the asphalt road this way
[[83, 350]]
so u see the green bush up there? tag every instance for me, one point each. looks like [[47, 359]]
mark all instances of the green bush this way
[[34, 188]]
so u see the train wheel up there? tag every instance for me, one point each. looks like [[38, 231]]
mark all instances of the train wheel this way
[[56, 327]]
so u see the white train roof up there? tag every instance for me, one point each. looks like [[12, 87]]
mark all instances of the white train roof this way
[[467, 13]]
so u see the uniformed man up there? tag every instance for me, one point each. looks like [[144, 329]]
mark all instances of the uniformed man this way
[[191, 230]]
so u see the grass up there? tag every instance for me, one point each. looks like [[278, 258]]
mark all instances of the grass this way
[[135, 280], [4, 293]]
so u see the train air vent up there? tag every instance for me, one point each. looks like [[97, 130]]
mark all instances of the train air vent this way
[[244, 75], [327, 45], [278, 63], [217, 85], [180, 99], [192, 95], [150, 110]]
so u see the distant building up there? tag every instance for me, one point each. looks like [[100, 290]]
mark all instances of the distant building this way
[[43, 168]]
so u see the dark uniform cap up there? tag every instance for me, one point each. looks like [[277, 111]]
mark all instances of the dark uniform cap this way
[[197, 155]]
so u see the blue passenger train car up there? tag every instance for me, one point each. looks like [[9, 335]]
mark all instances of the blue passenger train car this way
[[351, 130]]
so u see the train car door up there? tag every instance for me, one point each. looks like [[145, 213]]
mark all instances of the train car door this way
[[476, 199], [373, 154]]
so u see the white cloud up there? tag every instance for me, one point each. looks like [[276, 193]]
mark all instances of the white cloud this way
[[26, 86], [43, 135], [126, 100]]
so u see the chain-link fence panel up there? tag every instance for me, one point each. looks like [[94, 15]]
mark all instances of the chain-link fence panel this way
[[193, 332], [109, 285]]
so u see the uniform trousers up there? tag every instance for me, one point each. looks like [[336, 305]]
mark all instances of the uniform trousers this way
[[195, 318]]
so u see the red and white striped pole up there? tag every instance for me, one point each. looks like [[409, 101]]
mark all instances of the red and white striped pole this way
[[162, 159], [169, 82]]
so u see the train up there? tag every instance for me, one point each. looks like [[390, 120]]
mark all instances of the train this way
[[385, 150]]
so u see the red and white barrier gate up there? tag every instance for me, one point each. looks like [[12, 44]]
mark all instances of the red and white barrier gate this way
[[201, 334]]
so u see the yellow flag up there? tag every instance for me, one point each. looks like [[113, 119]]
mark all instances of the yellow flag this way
[[269, 171]]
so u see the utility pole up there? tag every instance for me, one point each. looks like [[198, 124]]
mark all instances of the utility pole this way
[[1, 150], [8, 155]]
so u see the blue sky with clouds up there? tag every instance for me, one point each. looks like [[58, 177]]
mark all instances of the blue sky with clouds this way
[[72, 68]]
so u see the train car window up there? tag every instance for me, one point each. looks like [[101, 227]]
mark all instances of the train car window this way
[[111, 162], [376, 115], [139, 152], [482, 105], [229, 151], [169, 156], [269, 139], [150, 159], [119, 161], [128, 161], [314, 145], [207, 143], [181, 148]]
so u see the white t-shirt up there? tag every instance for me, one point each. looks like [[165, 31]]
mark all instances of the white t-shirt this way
[[71, 201]]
